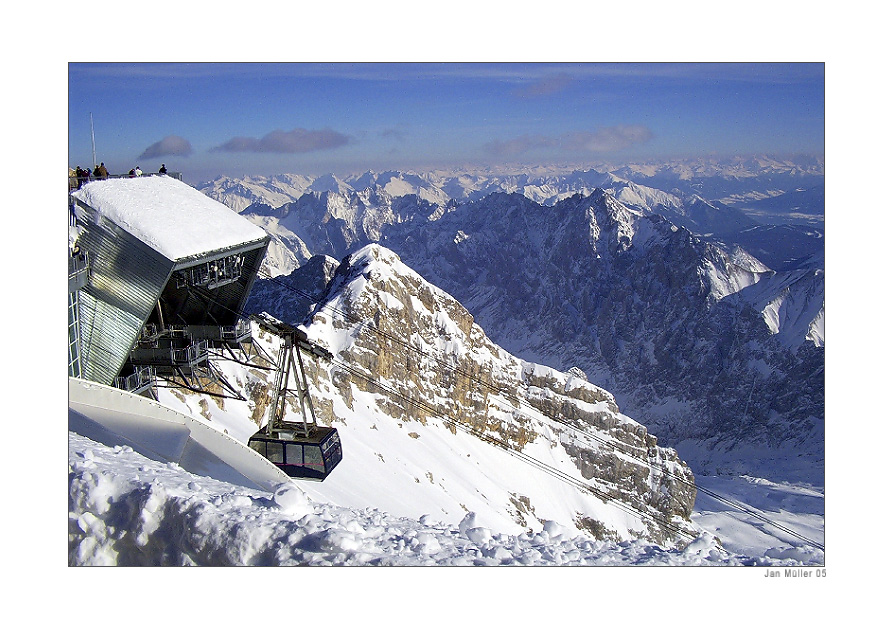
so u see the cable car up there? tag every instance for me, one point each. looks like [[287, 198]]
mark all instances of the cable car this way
[[311, 456], [300, 449]]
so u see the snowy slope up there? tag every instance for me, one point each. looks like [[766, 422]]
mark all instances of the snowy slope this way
[[435, 419], [126, 509], [792, 305], [332, 223], [239, 193], [126, 419]]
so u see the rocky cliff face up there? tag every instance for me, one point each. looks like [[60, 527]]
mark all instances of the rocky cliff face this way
[[678, 327], [699, 341], [424, 359]]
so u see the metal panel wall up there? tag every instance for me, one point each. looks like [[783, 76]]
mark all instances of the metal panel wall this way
[[126, 280]]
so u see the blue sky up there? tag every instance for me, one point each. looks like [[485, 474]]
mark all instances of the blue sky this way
[[208, 119]]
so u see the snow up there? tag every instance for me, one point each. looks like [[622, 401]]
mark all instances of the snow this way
[[731, 280], [792, 306], [122, 418], [406, 494], [126, 509], [74, 233], [816, 329], [170, 216], [771, 510]]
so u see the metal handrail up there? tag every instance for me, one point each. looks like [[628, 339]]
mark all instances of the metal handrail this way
[[143, 377], [72, 180], [173, 174], [242, 327], [195, 353]]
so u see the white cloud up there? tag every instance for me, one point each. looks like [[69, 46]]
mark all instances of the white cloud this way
[[171, 145], [295, 141]]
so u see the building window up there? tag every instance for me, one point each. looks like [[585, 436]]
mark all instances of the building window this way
[[213, 274]]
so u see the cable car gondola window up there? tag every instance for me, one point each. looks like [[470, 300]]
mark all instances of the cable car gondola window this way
[[259, 446], [312, 458], [275, 452], [330, 445], [294, 454]]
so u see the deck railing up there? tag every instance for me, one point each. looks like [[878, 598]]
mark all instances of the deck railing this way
[[72, 180], [139, 381], [190, 355]]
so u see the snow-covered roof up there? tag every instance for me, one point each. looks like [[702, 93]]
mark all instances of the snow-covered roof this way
[[168, 215]]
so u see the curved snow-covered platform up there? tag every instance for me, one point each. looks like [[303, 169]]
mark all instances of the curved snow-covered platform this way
[[115, 417]]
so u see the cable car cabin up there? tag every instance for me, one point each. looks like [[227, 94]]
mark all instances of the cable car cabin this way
[[310, 457]]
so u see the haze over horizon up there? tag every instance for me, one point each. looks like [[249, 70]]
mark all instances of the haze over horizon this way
[[237, 119]]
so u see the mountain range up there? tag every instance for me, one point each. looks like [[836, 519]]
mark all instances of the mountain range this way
[[728, 181], [705, 324]]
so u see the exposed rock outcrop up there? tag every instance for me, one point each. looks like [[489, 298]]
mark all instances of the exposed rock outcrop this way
[[422, 354]]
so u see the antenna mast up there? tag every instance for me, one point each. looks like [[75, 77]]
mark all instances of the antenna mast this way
[[93, 138]]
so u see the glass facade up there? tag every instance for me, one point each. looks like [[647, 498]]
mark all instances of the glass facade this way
[[212, 274]]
